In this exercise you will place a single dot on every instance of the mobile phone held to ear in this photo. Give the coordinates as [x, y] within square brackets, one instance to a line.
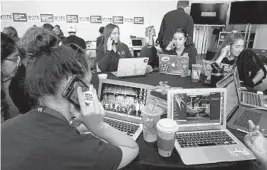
[70, 92]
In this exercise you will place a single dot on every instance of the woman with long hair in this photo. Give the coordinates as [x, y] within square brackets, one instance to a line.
[181, 45]
[109, 52]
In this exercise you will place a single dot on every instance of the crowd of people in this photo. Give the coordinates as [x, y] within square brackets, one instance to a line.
[36, 68]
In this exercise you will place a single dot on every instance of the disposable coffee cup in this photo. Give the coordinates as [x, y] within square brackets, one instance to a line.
[166, 129]
[102, 76]
[150, 117]
[196, 71]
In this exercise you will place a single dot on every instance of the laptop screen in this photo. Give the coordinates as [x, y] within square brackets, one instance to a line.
[122, 99]
[198, 108]
[232, 97]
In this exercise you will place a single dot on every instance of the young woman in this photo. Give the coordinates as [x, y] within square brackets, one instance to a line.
[44, 136]
[109, 52]
[252, 70]
[230, 49]
[182, 45]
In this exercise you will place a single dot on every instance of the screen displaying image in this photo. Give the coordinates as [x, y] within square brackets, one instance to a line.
[197, 108]
[123, 99]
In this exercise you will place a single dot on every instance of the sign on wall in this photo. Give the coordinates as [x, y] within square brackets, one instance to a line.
[106, 19]
[59, 18]
[138, 20]
[95, 19]
[72, 18]
[128, 20]
[84, 19]
[33, 17]
[6, 17]
[47, 17]
[19, 17]
[117, 19]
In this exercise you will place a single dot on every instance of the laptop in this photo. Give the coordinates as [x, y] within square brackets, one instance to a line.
[238, 114]
[247, 98]
[202, 137]
[137, 43]
[123, 102]
[173, 64]
[131, 67]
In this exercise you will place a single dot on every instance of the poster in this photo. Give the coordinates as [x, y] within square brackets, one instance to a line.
[106, 19]
[128, 20]
[117, 19]
[58, 18]
[95, 19]
[72, 18]
[47, 17]
[84, 19]
[33, 18]
[6, 17]
[19, 17]
[138, 20]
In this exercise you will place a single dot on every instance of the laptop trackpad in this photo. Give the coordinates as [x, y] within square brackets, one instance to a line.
[216, 154]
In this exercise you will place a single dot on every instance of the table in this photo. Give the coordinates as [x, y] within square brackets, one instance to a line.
[148, 158]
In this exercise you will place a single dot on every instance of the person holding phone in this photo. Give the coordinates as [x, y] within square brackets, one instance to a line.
[257, 143]
[182, 45]
[230, 49]
[109, 52]
[43, 138]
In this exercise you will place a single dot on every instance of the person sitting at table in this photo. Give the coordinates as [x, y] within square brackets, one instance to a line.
[43, 137]
[109, 53]
[230, 49]
[182, 45]
[149, 49]
[257, 143]
[252, 70]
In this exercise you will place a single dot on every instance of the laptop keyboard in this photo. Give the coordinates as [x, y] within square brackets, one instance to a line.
[199, 139]
[242, 121]
[251, 98]
[126, 127]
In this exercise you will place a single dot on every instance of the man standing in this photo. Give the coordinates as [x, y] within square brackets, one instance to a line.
[100, 39]
[73, 39]
[172, 20]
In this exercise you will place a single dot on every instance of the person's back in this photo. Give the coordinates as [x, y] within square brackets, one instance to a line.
[172, 20]
[73, 39]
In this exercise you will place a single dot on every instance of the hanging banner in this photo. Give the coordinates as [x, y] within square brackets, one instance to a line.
[117, 19]
[6, 17]
[106, 19]
[128, 20]
[138, 20]
[72, 18]
[84, 19]
[33, 18]
[19, 17]
[95, 19]
[59, 18]
[47, 17]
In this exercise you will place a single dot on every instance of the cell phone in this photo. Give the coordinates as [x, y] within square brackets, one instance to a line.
[70, 92]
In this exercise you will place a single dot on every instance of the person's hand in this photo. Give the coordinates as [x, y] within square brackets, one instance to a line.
[225, 51]
[109, 44]
[171, 45]
[91, 115]
[256, 142]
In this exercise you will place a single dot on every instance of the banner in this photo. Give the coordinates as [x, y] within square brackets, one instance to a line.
[138, 20]
[6, 17]
[47, 17]
[72, 18]
[95, 19]
[33, 18]
[59, 18]
[84, 19]
[106, 19]
[19, 17]
[128, 20]
[117, 19]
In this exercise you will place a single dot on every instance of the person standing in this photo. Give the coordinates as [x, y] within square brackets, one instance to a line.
[100, 39]
[73, 39]
[172, 20]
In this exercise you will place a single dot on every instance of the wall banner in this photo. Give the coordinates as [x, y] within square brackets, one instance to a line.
[95, 19]
[138, 20]
[106, 19]
[84, 19]
[59, 18]
[117, 19]
[33, 18]
[19, 17]
[128, 20]
[47, 17]
[72, 18]
[6, 17]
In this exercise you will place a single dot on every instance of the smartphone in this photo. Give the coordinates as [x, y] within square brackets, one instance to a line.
[70, 92]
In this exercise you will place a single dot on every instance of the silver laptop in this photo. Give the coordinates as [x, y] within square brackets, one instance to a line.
[123, 102]
[238, 114]
[173, 64]
[131, 67]
[248, 98]
[202, 136]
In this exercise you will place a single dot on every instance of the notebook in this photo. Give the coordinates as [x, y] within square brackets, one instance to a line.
[131, 67]
[247, 98]
[202, 136]
[238, 114]
[123, 102]
[173, 64]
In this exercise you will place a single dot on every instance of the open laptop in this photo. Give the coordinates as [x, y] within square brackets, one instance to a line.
[131, 67]
[123, 102]
[202, 136]
[173, 64]
[247, 98]
[238, 114]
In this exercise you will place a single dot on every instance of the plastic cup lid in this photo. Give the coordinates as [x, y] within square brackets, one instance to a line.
[167, 125]
[152, 110]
